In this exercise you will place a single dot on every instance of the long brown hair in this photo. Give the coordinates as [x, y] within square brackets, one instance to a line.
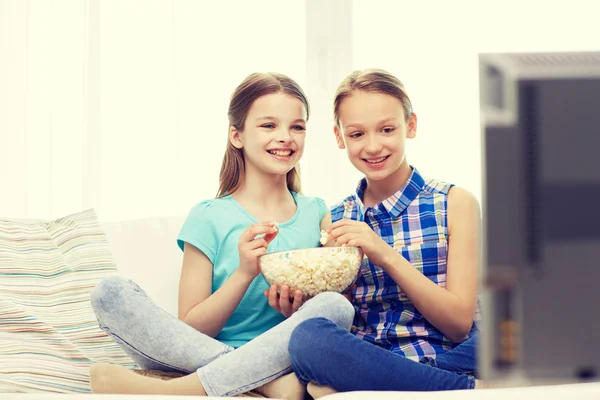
[375, 81]
[254, 86]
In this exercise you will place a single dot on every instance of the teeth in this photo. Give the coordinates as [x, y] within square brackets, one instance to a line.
[281, 152]
[376, 160]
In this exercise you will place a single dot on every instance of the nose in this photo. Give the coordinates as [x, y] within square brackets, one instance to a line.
[283, 136]
[373, 146]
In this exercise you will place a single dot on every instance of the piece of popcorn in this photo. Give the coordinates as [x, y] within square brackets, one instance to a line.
[324, 237]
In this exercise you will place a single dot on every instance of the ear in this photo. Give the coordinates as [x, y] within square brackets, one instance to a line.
[234, 137]
[412, 126]
[338, 137]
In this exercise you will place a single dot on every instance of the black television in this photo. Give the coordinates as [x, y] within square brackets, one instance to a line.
[540, 127]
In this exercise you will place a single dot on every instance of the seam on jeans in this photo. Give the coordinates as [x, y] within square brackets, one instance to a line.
[303, 379]
[208, 388]
[107, 330]
[256, 384]
[227, 349]
[471, 382]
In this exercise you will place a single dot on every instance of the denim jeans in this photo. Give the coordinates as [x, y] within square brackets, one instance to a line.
[324, 353]
[155, 339]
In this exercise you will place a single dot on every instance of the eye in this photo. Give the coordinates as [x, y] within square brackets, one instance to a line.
[355, 135]
[388, 130]
[299, 128]
[268, 126]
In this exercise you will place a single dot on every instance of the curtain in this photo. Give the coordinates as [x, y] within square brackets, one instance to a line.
[122, 105]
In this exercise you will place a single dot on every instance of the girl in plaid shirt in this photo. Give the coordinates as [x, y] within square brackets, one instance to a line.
[416, 300]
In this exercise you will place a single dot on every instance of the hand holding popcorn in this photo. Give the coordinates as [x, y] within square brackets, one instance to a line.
[250, 247]
[348, 232]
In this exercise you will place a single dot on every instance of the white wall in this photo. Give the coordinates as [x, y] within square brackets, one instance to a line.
[433, 47]
[121, 106]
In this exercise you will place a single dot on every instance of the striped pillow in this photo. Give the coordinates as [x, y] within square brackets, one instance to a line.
[49, 335]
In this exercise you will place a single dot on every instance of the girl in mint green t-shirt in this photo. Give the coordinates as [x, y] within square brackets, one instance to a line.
[230, 338]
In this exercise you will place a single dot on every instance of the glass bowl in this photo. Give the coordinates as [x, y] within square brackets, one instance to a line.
[314, 270]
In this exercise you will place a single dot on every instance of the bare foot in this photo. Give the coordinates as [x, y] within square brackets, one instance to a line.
[286, 387]
[317, 391]
[479, 384]
[116, 379]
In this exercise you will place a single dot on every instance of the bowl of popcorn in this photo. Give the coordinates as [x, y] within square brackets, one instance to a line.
[314, 270]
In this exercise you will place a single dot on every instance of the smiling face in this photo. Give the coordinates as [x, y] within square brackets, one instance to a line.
[273, 134]
[373, 129]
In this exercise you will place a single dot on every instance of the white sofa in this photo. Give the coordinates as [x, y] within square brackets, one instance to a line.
[146, 251]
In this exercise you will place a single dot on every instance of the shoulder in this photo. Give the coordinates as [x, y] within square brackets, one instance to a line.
[209, 209]
[205, 226]
[338, 209]
[462, 206]
[462, 199]
[312, 203]
[436, 186]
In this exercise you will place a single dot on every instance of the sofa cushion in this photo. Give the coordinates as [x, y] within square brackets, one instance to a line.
[49, 335]
[146, 251]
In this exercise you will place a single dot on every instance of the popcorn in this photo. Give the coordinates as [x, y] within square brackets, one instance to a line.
[323, 269]
[324, 237]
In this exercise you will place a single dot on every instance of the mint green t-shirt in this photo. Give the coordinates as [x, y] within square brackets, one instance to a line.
[214, 227]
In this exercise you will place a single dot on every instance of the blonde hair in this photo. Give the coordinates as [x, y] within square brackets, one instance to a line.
[254, 86]
[375, 81]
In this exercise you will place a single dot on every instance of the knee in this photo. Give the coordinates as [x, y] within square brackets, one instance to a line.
[335, 308]
[109, 294]
[306, 338]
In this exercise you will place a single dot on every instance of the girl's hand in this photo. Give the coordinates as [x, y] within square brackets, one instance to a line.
[348, 293]
[353, 233]
[250, 247]
[283, 301]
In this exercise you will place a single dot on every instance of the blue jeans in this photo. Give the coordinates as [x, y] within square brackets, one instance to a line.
[324, 353]
[157, 340]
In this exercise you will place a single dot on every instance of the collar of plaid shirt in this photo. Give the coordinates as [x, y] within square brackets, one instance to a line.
[396, 203]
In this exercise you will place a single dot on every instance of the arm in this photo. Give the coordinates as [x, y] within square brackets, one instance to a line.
[197, 307]
[209, 313]
[450, 309]
[325, 224]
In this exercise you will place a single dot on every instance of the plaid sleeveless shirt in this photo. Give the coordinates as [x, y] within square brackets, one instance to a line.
[414, 222]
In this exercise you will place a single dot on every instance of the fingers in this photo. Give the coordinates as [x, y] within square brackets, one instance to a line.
[343, 240]
[297, 301]
[281, 299]
[341, 223]
[290, 303]
[348, 293]
[249, 241]
[273, 297]
[256, 244]
[270, 236]
[342, 230]
[285, 305]
[259, 228]
[261, 251]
